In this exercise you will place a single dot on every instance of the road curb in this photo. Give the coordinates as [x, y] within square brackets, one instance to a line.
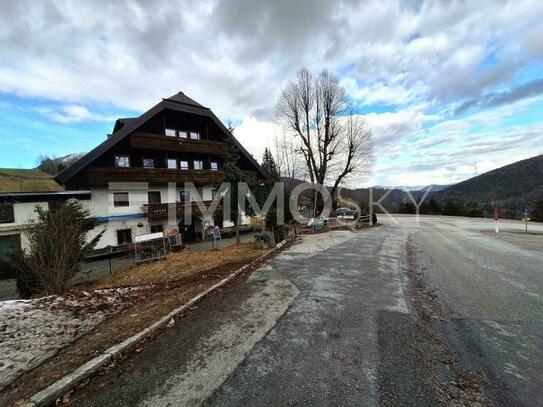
[68, 382]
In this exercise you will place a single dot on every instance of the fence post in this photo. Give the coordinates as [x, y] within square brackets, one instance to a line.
[109, 251]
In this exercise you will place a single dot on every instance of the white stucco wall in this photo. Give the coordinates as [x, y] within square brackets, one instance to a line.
[101, 205]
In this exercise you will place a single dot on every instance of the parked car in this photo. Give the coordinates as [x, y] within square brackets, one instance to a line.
[344, 211]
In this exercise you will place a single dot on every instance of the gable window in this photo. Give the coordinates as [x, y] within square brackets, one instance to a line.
[214, 166]
[184, 165]
[148, 163]
[124, 236]
[170, 132]
[183, 134]
[194, 135]
[171, 163]
[184, 195]
[153, 197]
[120, 199]
[122, 161]
[198, 164]
[6, 213]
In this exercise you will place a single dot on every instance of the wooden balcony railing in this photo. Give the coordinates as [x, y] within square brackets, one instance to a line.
[160, 211]
[102, 176]
[150, 141]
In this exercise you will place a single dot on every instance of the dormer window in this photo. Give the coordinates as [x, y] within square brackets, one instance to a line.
[198, 164]
[122, 161]
[194, 135]
[183, 165]
[183, 134]
[171, 163]
[170, 132]
[214, 166]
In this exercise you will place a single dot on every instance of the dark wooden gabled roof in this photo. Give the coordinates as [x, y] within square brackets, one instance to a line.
[120, 123]
[179, 102]
[180, 97]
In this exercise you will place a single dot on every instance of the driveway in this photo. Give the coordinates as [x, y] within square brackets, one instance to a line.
[424, 313]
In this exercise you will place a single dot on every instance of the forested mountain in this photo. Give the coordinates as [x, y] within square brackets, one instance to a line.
[510, 188]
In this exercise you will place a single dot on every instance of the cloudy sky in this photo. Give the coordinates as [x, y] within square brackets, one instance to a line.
[449, 88]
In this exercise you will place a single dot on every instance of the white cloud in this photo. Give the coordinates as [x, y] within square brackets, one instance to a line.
[390, 127]
[255, 135]
[235, 56]
[73, 114]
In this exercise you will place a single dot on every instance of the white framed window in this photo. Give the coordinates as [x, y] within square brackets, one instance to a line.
[171, 163]
[198, 164]
[183, 134]
[184, 165]
[214, 166]
[194, 135]
[7, 215]
[148, 163]
[120, 199]
[122, 161]
[170, 132]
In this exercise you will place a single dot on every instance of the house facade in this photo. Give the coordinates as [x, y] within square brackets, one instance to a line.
[21, 190]
[137, 177]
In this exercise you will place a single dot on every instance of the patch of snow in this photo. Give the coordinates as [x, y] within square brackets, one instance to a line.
[31, 331]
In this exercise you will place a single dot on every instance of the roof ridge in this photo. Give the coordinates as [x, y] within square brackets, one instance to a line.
[180, 97]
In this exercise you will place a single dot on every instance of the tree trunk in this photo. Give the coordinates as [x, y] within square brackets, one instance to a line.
[236, 227]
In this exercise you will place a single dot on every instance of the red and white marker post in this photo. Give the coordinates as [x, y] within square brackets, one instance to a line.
[496, 221]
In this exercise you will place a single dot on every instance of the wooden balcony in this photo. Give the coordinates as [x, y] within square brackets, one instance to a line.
[160, 211]
[99, 176]
[150, 141]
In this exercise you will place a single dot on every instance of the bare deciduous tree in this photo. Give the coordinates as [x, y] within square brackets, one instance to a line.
[335, 143]
[287, 157]
[57, 243]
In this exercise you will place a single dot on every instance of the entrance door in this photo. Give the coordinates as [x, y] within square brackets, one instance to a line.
[188, 232]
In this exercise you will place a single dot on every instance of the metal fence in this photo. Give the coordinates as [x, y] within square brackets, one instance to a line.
[91, 269]
[94, 269]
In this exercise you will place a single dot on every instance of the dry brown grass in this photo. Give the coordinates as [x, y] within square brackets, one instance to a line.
[178, 265]
[175, 280]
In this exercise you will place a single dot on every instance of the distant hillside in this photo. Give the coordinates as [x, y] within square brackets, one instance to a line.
[26, 180]
[435, 187]
[510, 188]
[391, 202]
[54, 165]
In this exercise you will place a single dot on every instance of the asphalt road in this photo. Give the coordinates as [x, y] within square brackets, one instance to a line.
[439, 311]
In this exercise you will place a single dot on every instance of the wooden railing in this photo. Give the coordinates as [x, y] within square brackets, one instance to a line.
[150, 141]
[102, 176]
[160, 211]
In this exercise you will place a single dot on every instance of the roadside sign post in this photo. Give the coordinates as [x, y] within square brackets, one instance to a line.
[371, 206]
[215, 235]
[526, 218]
[496, 221]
